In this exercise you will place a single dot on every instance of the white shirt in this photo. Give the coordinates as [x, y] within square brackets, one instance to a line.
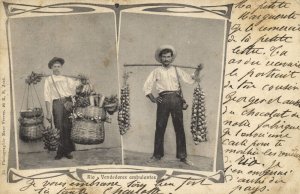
[166, 79]
[66, 87]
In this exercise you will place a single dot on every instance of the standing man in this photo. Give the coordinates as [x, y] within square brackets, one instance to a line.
[58, 92]
[166, 78]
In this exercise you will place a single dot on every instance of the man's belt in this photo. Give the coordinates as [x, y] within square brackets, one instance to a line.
[64, 99]
[168, 92]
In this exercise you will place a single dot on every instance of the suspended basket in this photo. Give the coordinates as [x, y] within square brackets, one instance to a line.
[87, 132]
[30, 113]
[31, 133]
[31, 119]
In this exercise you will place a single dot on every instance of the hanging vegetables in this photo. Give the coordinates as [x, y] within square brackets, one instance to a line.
[81, 101]
[198, 124]
[123, 114]
[85, 89]
[124, 109]
[111, 104]
[34, 78]
[51, 138]
[31, 119]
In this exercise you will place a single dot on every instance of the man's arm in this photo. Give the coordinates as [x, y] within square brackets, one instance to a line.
[49, 113]
[190, 79]
[47, 97]
[153, 99]
[197, 72]
[148, 88]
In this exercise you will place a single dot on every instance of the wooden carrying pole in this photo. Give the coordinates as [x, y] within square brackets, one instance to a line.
[71, 76]
[151, 65]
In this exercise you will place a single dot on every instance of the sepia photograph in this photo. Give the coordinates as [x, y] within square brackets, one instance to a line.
[65, 90]
[173, 69]
[149, 97]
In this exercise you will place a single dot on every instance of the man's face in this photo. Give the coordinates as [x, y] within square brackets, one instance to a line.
[56, 68]
[166, 59]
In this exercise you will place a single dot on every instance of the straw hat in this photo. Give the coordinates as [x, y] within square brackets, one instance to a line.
[163, 47]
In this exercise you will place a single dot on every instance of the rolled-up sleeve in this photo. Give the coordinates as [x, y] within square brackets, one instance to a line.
[47, 91]
[73, 83]
[187, 78]
[149, 83]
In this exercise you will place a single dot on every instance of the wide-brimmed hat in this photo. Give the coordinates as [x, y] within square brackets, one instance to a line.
[54, 60]
[163, 47]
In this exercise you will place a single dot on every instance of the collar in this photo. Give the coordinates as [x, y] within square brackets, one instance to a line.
[167, 68]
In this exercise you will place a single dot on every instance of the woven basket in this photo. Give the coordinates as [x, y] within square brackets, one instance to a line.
[31, 133]
[31, 121]
[111, 108]
[36, 112]
[91, 112]
[87, 132]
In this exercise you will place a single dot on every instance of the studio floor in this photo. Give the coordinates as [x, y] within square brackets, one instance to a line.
[109, 156]
[45, 159]
[168, 161]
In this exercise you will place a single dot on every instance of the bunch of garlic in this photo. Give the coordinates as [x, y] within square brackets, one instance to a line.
[124, 111]
[198, 123]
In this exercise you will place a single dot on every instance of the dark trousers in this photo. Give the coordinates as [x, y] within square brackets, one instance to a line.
[63, 123]
[171, 104]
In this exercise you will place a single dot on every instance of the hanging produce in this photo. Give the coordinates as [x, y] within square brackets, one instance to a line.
[31, 119]
[124, 109]
[51, 138]
[89, 114]
[111, 104]
[198, 123]
[88, 117]
[34, 78]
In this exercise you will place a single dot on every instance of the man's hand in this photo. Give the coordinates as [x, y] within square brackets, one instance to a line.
[200, 67]
[153, 99]
[49, 117]
[84, 79]
[48, 125]
[197, 72]
[159, 99]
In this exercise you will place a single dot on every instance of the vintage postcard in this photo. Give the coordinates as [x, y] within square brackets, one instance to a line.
[149, 96]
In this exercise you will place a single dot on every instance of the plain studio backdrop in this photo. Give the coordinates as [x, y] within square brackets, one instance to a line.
[196, 41]
[88, 45]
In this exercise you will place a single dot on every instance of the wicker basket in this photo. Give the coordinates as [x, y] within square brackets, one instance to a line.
[31, 133]
[87, 132]
[36, 112]
[111, 108]
[31, 121]
[91, 112]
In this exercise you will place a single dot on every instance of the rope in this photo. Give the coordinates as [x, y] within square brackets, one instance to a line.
[23, 99]
[32, 98]
[27, 96]
[37, 96]
[179, 84]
